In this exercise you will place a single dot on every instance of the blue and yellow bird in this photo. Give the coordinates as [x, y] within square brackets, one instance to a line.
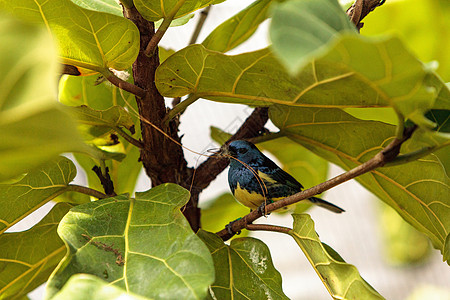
[251, 167]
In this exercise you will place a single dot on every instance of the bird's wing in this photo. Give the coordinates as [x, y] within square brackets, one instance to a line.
[277, 174]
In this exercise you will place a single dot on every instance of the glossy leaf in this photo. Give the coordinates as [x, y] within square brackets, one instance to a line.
[342, 77]
[89, 287]
[27, 258]
[28, 110]
[38, 187]
[302, 29]
[341, 279]
[238, 28]
[155, 10]
[244, 270]
[417, 190]
[218, 212]
[87, 39]
[143, 245]
[84, 90]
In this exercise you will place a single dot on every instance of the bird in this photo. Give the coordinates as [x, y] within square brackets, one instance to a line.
[255, 180]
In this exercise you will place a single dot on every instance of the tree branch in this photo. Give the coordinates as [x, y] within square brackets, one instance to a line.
[380, 159]
[153, 44]
[86, 191]
[124, 85]
[267, 227]
[360, 9]
[105, 180]
[129, 138]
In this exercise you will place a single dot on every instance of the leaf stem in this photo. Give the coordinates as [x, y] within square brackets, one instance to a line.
[203, 15]
[153, 44]
[86, 191]
[415, 155]
[129, 138]
[180, 107]
[124, 85]
[400, 126]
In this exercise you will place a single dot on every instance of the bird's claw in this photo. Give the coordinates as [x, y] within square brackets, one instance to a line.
[230, 230]
[262, 208]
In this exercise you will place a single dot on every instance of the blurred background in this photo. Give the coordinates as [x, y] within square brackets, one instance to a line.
[389, 254]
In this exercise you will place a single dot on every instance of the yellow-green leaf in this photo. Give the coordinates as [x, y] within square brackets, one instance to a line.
[27, 258]
[85, 38]
[341, 279]
[33, 128]
[156, 10]
[89, 287]
[143, 245]
[21, 198]
[244, 269]
[419, 191]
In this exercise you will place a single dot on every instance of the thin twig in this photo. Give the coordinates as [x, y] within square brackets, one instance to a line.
[360, 9]
[180, 107]
[203, 15]
[380, 159]
[86, 191]
[124, 85]
[266, 227]
[129, 138]
[154, 41]
[105, 180]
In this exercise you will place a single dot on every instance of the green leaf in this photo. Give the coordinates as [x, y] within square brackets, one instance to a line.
[342, 280]
[220, 211]
[143, 245]
[156, 10]
[415, 190]
[238, 28]
[243, 270]
[87, 39]
[391, 78]
[302, 29]
[38, 187]
[27, 258]
[87, 287]
[84, 90]
[113, 117]
[426, 36]
[28, 110]
[107, 6]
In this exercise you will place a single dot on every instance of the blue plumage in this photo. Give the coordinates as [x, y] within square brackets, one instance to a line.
[254, 178]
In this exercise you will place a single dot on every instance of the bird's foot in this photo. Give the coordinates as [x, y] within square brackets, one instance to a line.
[230, 230]
[262, 208]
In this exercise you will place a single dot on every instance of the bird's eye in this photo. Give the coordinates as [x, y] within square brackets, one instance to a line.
[242, 150]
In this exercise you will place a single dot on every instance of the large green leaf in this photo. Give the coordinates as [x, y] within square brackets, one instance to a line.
[21, 198]
[342, 77]
[83, 90]
[143, 245]
[107, 6]
[418, 191]
[87, 39]
[89, 287]
[423, 25]
[341, 279]
[238, 28]
[114, 117]
[156, 10]
[28, 111]
[27, 258]
[244, 270]
[301, 30]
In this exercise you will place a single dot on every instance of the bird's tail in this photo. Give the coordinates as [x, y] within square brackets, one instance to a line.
[326, 204]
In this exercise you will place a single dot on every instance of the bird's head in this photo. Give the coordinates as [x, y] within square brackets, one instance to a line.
[244, 151]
